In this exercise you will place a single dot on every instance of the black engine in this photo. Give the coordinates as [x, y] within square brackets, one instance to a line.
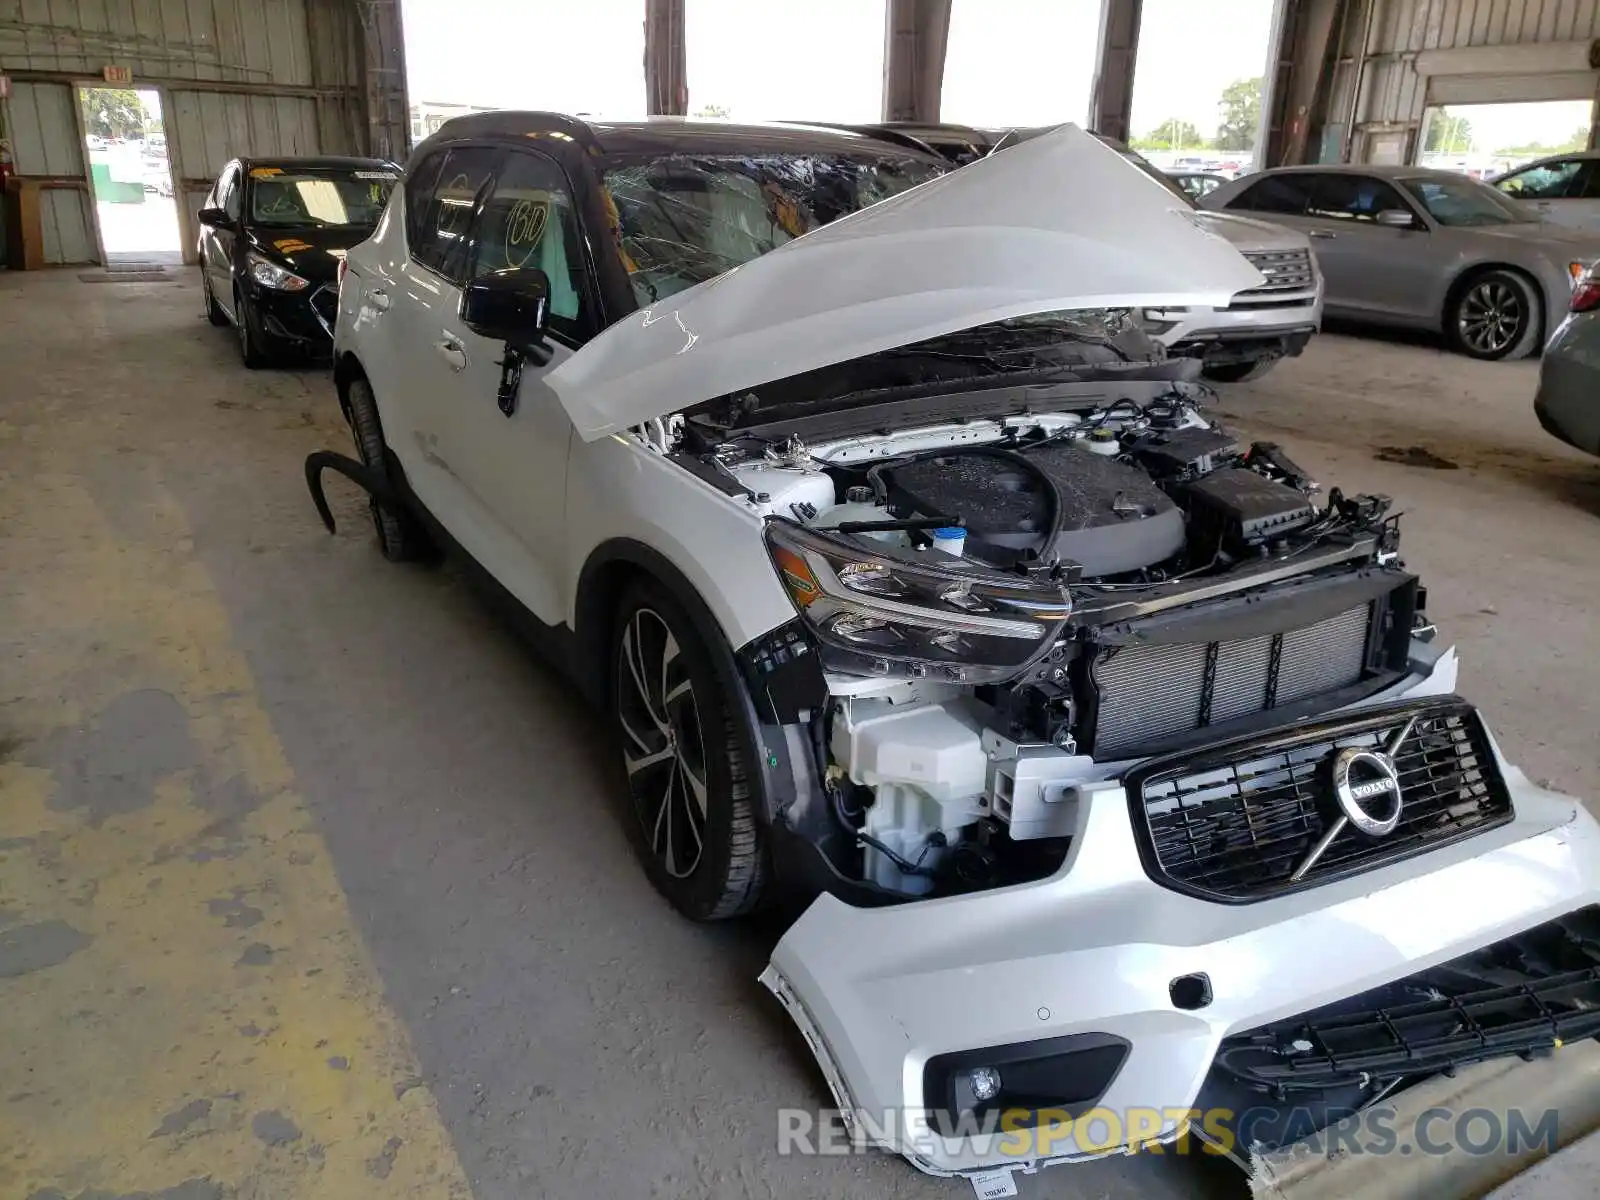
[1121, 502]
[1113, 518]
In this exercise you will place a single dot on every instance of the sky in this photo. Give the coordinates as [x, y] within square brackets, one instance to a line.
[1501, 126]
[1009, 61]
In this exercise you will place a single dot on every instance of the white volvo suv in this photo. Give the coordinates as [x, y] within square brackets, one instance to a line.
[1117, 771]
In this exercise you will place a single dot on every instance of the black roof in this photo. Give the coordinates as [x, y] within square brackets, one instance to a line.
[305, 161]
[662, 135]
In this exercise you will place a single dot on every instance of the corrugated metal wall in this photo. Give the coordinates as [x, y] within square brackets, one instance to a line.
[44, 135]
[241, 41]
[235, 77]
[1395, 93]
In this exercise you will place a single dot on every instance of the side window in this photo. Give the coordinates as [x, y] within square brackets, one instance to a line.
[442, 227]
[1344, 197]
[1548, 181]
[229, 193]
[1284, 194]
[528, 220]
[419, 193]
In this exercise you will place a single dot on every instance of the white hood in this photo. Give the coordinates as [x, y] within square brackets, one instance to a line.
[1059, 222]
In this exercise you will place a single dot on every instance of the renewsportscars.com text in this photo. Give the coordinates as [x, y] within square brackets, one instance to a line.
[1026, 1134]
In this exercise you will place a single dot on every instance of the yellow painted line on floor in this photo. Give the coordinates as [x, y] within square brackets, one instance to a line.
[185, 1005]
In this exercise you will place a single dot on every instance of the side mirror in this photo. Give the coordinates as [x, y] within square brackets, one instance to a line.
[511, 305]
[1396, 218]
[214, 218]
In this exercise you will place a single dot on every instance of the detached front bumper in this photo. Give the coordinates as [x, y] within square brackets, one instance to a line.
[1100, 951]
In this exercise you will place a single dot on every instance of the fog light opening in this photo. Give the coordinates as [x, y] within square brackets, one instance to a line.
[984, 1082]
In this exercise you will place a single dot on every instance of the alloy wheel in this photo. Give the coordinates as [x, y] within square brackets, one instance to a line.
[663, 745]
[1491, 316]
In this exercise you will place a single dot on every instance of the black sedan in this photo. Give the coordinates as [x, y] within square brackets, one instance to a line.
[272, 234]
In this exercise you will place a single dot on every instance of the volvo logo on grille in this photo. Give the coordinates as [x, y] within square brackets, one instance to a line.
[1366, 787]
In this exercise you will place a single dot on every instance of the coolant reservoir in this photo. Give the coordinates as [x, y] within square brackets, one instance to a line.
[859, 506]
[791, 492]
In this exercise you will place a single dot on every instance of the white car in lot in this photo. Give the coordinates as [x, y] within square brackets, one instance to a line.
[1563, 189]
[1115, 769]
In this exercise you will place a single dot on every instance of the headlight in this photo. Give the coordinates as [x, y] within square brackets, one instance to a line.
[269, 274]
[886, 612]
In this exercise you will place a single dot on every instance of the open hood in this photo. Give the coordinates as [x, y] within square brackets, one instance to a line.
[1059, 222]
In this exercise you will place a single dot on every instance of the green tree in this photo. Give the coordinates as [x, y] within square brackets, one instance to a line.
[1578, 139]
[113, 112]
[1448, 134]
[1171, 134]
[1239, 114]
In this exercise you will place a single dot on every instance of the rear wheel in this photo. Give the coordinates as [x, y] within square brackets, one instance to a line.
[695, 825]
[1239, 372]
[400, 536]
[1494, 315]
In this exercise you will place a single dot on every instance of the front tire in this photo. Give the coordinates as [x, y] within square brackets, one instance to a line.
[401, 537]
[251, 350]
[1240, 372]
[1494, 315]
[689, 780]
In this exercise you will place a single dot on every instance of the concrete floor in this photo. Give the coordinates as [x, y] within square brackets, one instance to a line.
[312, 882]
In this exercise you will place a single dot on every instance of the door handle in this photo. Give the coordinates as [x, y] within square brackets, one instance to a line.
[453, 352]
[379, 298]
[1323, 234]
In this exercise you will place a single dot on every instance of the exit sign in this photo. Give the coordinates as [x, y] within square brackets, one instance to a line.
[122, 75]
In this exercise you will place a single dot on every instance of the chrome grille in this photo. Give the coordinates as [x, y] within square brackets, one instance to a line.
[1148, 694]
[1285, 271]
[1234, 822]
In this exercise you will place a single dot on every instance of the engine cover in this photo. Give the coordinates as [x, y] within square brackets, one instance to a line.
[1115, 518]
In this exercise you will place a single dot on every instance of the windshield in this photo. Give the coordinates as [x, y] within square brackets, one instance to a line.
[1462, 201]
[285, 197]
[684, 219]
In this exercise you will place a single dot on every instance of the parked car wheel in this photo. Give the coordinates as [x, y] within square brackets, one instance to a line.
[1238, 372]
[214, 312]
[251, 349]
[401, 537]
[1494, 315]
[687, 773]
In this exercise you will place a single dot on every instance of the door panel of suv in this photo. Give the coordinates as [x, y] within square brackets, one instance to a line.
[420, 300]
[515, 466]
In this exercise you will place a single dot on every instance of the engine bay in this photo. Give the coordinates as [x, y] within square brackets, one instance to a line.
[1190, 569]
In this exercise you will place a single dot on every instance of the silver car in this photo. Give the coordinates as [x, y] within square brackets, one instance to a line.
[1426, 249]
[1568, 401]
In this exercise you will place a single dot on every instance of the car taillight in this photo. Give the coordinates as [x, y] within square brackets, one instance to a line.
[338, 273]
[1586, 296]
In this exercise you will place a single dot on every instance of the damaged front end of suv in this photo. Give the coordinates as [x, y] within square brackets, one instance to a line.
[1115, 760]
[1119, 757]
[1128, 770]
